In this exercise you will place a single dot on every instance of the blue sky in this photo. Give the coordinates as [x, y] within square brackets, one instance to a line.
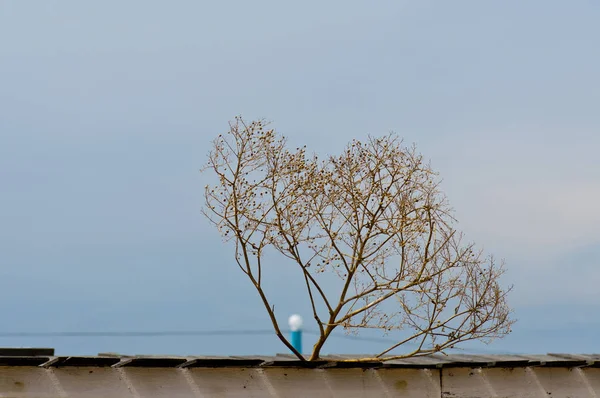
[107, 110]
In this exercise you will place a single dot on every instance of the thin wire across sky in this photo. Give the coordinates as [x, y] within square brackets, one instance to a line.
[236, 332]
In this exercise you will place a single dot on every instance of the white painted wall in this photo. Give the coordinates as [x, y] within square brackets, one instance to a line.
[95, 382]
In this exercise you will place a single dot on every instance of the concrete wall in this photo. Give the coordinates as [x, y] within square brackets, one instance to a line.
[126, 382]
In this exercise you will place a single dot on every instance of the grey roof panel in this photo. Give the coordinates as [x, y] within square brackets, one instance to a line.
[22, 361]
[267, 358]
[361, 364]
[82, 361]
[26, 352]
[151, 362]
[329, 361]
[278, 362]
[430, 361]
[208, 362]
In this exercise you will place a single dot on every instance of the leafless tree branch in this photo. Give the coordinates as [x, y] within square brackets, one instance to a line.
[376, 218]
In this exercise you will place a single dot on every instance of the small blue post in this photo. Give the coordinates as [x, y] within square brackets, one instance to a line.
[297, 340]
[295, 322]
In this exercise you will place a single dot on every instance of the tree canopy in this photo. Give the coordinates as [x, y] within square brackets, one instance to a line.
[373, 215]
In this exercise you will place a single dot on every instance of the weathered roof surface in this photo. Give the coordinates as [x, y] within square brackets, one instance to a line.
[285, 360]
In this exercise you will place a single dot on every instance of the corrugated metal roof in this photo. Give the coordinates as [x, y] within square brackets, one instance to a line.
[285, 360]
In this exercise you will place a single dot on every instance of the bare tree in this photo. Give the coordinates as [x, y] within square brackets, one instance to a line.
[375, 217]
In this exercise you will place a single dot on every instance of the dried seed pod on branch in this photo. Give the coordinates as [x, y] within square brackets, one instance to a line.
[376, 218]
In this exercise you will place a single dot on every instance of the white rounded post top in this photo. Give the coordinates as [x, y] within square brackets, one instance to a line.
[295, 322]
